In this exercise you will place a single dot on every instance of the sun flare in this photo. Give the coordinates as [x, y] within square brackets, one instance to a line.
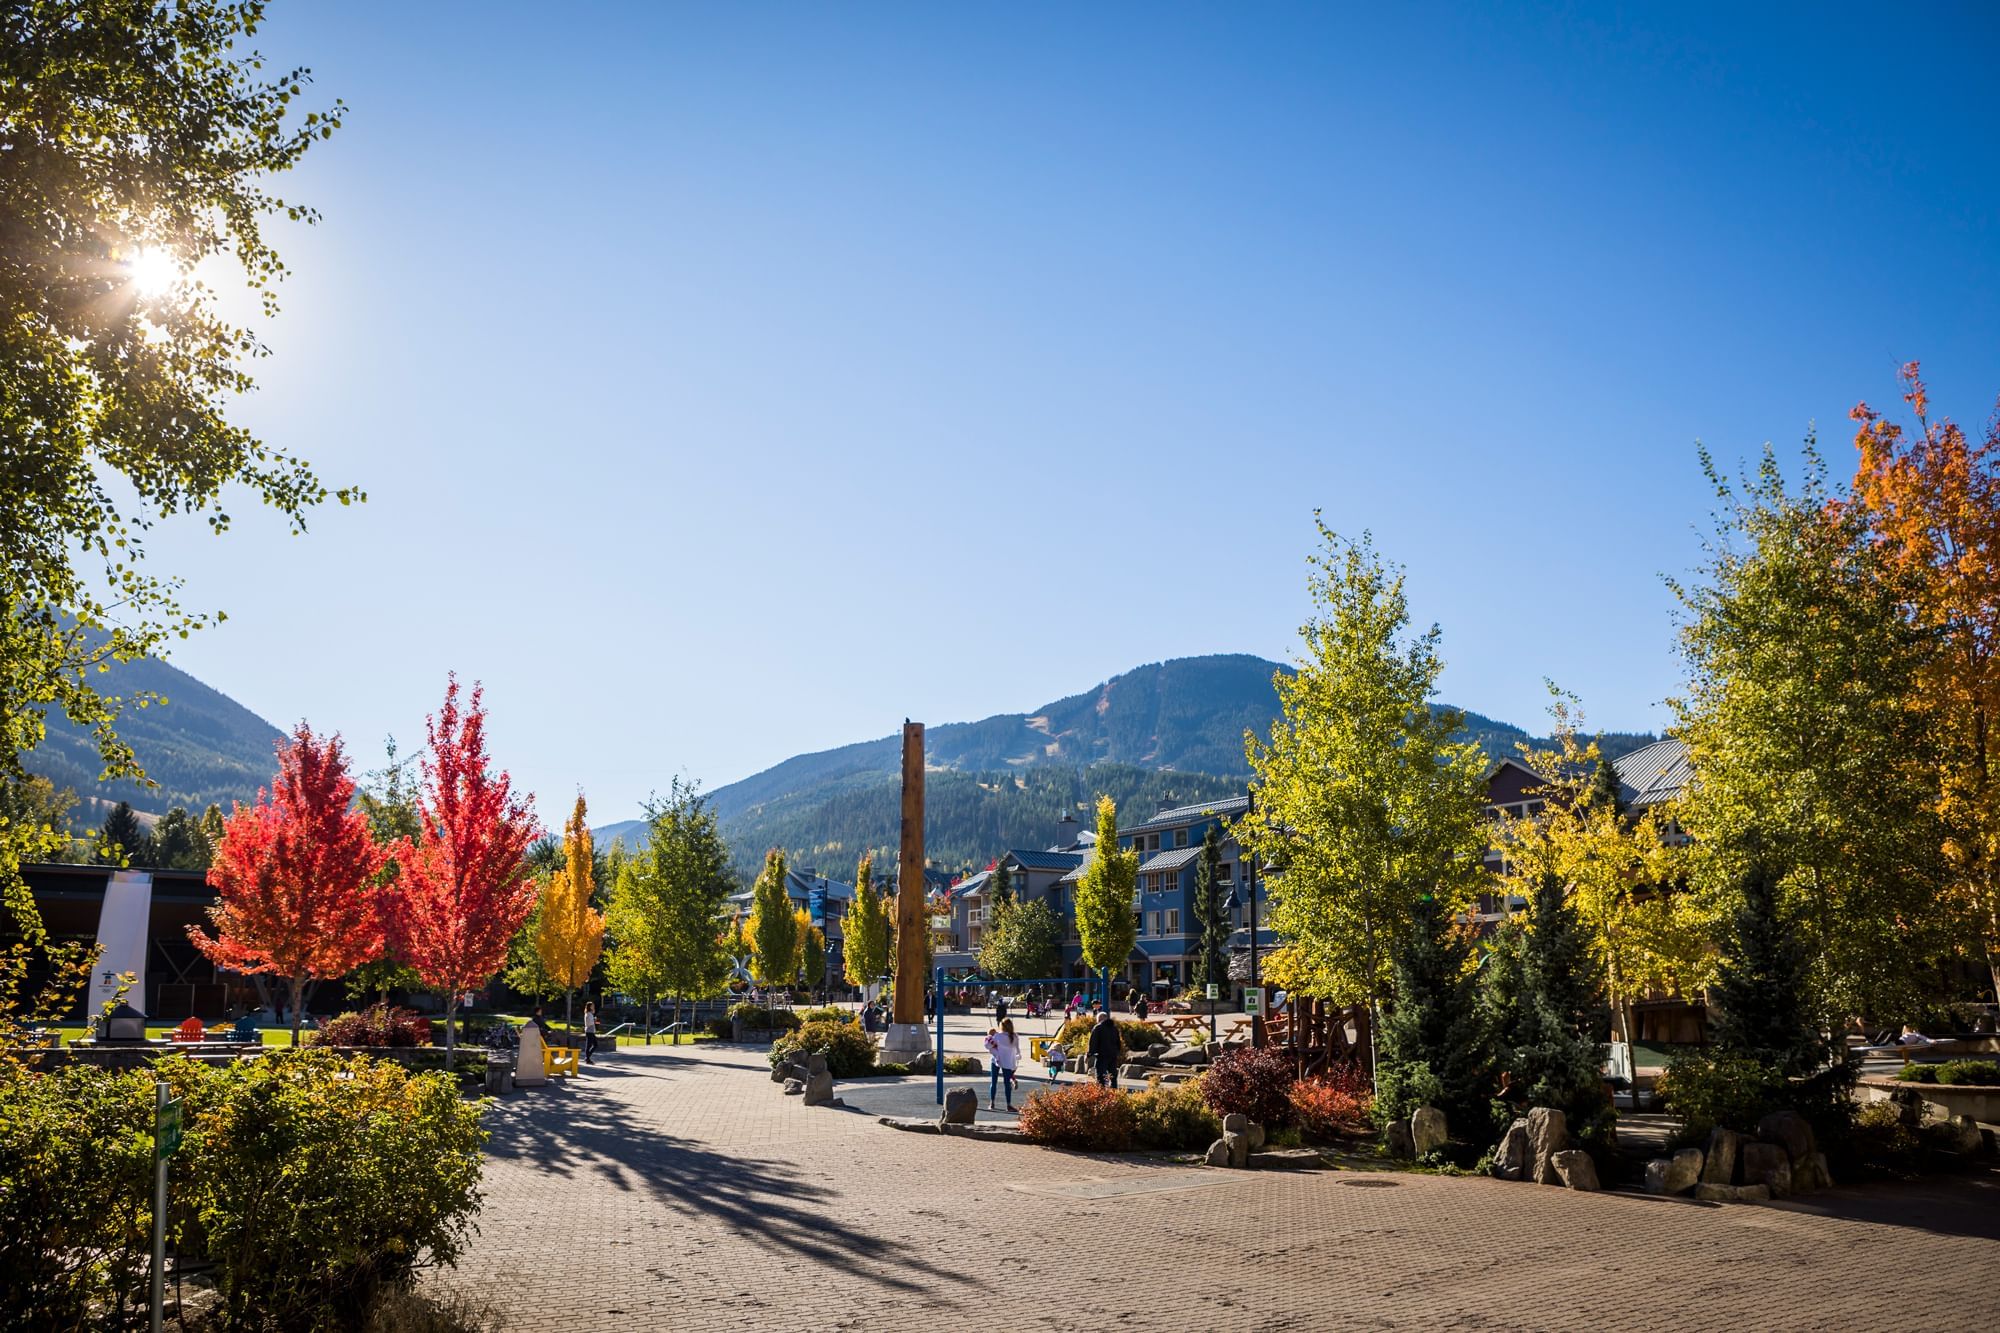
[153, 272]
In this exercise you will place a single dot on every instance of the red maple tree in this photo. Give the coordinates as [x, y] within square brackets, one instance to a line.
[462, 888]
[293, 875]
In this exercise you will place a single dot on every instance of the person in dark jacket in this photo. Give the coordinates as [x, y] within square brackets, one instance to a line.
[1106, 1050]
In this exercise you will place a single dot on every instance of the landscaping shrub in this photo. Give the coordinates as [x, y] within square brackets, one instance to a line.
[1332, 1104]
[305, 1184]
[1132, 1034]
[1173, 1115]
[889, 1067]
[1256, 1081]
[1977, 1073]
[1919, 1073]
[1083, 1116]
[826, 1014]
[849, 1051]
[1703, 1089]
[721, 1028]
[960, 1065]
[762, 1019]
[377, 1025]
[309, 1181]
[75, 1190]
[1881, 1139]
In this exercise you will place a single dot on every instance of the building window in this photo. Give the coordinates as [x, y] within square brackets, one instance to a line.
[1180, 837]
[1228, 872]
[1152, 842]
[1153, 921]
[1173, 921]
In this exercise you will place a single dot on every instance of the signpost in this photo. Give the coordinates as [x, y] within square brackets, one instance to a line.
[1214, 994]
[1253, 1001]
[166, 1142]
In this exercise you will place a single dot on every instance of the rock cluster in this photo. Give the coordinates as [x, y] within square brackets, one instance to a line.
[809, 1080]
[1780, 1160]
[1537, 1147]
[1241, 1136]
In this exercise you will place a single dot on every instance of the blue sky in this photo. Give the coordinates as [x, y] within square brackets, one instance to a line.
[735, 381]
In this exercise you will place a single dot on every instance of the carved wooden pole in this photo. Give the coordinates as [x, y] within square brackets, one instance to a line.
[912, 914]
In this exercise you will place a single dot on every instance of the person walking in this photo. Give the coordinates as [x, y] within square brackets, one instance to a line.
[589, 1033]
[1004, 1050]
[1105, 1050]
[1140, 1008]
[999, 1008]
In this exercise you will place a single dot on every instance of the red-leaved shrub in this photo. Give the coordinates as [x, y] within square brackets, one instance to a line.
[377, 1025]
[1083, 1116]
[1253, 1080]
[1334, 1103]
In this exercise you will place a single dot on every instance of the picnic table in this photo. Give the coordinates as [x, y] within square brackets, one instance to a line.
[1182, 1024]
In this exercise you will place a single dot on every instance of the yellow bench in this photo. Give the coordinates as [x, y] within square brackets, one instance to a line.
[559, 1060]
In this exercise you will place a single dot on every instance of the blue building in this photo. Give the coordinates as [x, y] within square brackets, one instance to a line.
[1169, 844]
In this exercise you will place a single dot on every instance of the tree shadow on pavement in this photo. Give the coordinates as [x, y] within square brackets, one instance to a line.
[567, 1130]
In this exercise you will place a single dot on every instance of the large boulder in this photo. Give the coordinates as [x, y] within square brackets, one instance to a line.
[819, 1083]
[1723, 1147]
[794, 1087]
[1181, 1053]
[1235, 1123]
[1811, 1174]
[1218, 1152]
[816, 1063]
[780, 1072]
[1136, 1073]
[1790, 1131]
[1961, 1134]
[1769, 1165]
[1239, 1148]
[1548, 1134]
[1397, 1138]
[1575, 1169]
[1511, 1158]
[1257, 1136]
[961, 1106]
[1711, 1193]
[925, 1063]
[1674, 1175]
[1427, 1130]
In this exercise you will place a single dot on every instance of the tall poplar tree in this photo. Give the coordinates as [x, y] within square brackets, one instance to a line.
[670, 904]
[1107, 918]
[1810, 755]
[865, 932]
[1361, 793]
[774, 933]
[570, 935]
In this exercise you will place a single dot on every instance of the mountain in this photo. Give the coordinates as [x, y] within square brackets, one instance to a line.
[200, 746]
[1167, 730]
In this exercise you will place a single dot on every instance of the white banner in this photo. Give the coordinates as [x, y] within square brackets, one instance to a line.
[121, 933]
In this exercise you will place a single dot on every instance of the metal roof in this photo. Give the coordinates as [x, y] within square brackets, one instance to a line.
[1172, 860]
[1031, 860]
[1187, 814]
[1655, 773]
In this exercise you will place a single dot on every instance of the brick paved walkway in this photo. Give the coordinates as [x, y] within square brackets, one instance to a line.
[680, 1189]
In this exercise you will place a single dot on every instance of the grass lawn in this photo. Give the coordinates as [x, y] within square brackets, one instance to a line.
[70, 1032]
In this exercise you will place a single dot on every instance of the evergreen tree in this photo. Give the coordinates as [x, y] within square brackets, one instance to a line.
[1210, 917]
[1605, 787]
[1431, 1045]
[1760, 1000]
[1560, 1019]
[1000, 887]
[124, 841]
[178, 843]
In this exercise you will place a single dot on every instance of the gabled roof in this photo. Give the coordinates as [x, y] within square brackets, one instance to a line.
[972, 886]
[1031, 860]
[1655, 773]
[1187, 814]
[1508, 761]
[1077, 874]
[1173, 860]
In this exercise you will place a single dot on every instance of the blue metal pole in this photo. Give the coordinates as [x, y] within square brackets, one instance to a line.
[937, 1003]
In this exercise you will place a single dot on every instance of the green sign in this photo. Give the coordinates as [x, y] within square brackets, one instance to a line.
[1214, 991]
[1253, 1000]
[167, 1131]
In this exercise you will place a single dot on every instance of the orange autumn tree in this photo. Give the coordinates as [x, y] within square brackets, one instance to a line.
[462, 887]
[571, 934]
[1932, 499]
[293, 873]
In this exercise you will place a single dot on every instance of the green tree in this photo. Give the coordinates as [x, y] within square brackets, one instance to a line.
[1431, 1047]
[812, 950]
[1027, 944]
[123, 841]
[388, 801]
[670, 904]
[178, 843]
[139, 142]
[1761, 1000]
[865, 932]
[1809, 753]
[1361, 794]
[774, 933]
[35, 814]
[1000, 888]
[1106, 921]
[1211, 915]
[1553, 1048]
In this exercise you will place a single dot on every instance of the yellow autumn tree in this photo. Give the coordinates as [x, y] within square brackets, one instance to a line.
[1617, 868]
[571, 935]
